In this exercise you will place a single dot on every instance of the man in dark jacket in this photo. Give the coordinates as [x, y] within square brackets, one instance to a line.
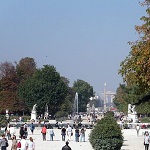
[66, 147]
[3, 143]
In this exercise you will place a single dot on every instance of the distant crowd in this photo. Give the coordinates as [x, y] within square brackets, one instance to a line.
[67, 133]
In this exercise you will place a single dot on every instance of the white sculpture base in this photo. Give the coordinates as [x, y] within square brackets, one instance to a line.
[33, 115]
[134, 117]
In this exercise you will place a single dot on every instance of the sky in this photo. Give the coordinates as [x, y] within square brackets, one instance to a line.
[83, 39]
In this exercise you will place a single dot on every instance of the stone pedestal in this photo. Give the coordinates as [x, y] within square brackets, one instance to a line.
[33, 115]
[134, 117]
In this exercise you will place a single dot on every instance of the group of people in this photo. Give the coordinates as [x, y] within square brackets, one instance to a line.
[146, 137]
[22, 143]
[79, 134]
[24, 130]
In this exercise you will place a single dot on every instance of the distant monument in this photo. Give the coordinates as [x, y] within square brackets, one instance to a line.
[88, 108]
[46, 112]
[132, 114]
[33, 113]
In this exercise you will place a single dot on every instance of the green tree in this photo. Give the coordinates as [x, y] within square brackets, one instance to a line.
[85, 91]
[106, 134]
[135, 69]
[120, 100]
[25, 68]
[45, 87]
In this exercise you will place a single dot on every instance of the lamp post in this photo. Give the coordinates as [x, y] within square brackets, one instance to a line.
[105, 97]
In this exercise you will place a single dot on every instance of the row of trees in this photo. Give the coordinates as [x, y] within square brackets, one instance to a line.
[23, 84]
[135, 70]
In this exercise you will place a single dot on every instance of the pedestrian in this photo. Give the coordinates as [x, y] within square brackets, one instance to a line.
[44, 130]
[63, 133]
[66, 147]
[31, 144]
[69, 132]
[14, 143]
[24, 144]
[61, 124]
[137, 129]
[146, 140]
[22, 132]
[32, 127]
[82, 134]
[19, 145]
[3, 143]
[77, 134]
[25, 130]
[51, 132]
[8, 133]
[12, 130]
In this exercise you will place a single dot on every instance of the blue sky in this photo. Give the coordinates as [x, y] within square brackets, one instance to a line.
[83, 39]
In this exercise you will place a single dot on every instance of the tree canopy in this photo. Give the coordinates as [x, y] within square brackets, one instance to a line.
[45, 87]
[135, 69]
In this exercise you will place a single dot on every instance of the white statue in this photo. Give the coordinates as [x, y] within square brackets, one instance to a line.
[33, 113]
[131, 109]
[34, 107]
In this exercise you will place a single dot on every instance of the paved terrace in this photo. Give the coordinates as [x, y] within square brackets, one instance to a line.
[131, 141]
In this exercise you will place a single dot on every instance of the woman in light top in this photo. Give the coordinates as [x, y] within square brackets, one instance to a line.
[146, 140]
[31, 144]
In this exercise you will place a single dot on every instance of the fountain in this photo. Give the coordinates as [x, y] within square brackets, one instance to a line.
[75, 108]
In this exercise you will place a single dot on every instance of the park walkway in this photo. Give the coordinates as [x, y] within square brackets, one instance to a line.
[131, 141]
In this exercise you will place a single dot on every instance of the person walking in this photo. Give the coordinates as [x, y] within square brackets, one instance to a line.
[69, 132]
[44, 130]
[3, 143]
[32, 127]
[14, 143]
[24, 144]
[146, 140]
[66, 147]
[51, 132]
[8, 133]
[82, 134]
[137, 129]
[77, 134]
[31, 144]
[25, 130]
[12, 130]
[63, 133]
[19, 145]
[22, 132]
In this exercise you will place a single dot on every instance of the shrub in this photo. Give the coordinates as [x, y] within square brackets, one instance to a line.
[106, 135]
[60, 115]
[109, 114]
[3, 120]
[145, 120]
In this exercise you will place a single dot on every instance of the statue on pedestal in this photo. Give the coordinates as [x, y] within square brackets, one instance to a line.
[33, 113]
[46, 112]
[132, 114]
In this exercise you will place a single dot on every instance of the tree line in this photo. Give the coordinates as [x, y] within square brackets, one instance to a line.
[22, 85]
[135, 70]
